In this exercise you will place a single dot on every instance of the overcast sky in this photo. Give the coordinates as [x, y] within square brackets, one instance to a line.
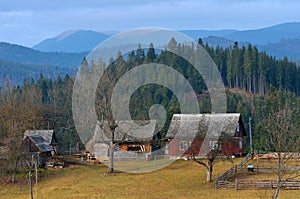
[28, 22]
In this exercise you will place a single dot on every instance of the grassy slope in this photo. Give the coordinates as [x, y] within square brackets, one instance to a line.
[182, 179]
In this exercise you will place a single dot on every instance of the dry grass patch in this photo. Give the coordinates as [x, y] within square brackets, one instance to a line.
[182, 179]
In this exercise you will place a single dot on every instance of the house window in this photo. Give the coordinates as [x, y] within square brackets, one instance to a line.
[238, 128]
[183, 146]
[214, 145]
[241, 144]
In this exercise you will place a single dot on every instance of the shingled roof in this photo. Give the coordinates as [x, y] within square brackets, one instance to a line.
[127, 131]
[40, 143]
[47, 135]
[198, 125]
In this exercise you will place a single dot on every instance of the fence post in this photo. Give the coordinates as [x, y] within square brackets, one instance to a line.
[236, 184]
[271, 184]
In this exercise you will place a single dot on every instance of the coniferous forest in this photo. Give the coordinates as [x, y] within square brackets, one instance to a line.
[253, 80]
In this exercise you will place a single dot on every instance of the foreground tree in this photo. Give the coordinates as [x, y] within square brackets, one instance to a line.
[280, 130]
[217, 152]
[103, 103]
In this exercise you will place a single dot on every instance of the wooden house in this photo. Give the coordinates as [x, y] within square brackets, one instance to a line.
[42, 142]
[132, 139]
[222, 131]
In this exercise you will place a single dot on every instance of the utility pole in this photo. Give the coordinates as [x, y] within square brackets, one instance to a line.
[250, 134]
[30, 184]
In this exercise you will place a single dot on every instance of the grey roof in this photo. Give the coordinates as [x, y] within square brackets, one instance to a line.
[47, 135]
[198, 125]
[40, 143]
[127, 130]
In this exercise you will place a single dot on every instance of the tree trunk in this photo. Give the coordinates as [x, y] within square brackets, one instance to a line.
[276, 192]
[111, 158]
[111, 153]
[278, 167]
[209, 175]
[278, 176]
[209, 171]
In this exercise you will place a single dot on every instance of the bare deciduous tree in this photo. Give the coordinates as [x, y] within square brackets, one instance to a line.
[281, 134]
[103, 103]
[216, 153]
[19, 111]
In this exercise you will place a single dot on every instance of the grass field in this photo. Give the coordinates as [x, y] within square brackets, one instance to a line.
[182, 179]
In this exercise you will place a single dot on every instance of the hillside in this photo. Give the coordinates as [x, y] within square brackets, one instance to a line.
[264, 36]
[195, 34]
[285, 48]
[24, 55]
[215, 41]
[16, 72]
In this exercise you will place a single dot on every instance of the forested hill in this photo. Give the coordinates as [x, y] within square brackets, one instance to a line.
[240, 66]
[255, 71]
[17, 73]
[24, 55]
[18, 63]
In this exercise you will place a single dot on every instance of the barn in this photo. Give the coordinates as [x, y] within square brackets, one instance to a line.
[224, 132]
[131, 142]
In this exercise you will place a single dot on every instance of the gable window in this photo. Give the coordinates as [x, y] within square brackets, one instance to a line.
[214, 145]
[183, 146]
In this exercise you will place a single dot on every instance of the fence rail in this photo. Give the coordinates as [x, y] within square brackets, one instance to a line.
[243, 184]
[245, 161]
[229, 173]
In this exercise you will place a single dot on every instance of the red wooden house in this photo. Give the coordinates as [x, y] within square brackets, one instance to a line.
[223, 133]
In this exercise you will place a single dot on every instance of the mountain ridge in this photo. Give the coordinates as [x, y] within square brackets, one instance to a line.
[268, 39]
[65, 41]
[25, 55]
[271, 34]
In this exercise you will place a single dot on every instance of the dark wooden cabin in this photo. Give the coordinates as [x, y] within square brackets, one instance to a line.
[42, 142]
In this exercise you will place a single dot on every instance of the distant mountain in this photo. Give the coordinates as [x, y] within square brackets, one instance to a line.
[83, 40]
[286, 47]
[75, 41]
[196, 34]
[267, 35]
[18, 63]
[24, 55]
[86, 40]
[221, 42]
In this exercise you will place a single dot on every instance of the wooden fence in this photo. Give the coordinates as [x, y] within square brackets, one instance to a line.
[229, 173]
[243, 184]
[245, 161]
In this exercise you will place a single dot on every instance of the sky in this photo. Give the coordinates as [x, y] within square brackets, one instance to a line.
[27, 22]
